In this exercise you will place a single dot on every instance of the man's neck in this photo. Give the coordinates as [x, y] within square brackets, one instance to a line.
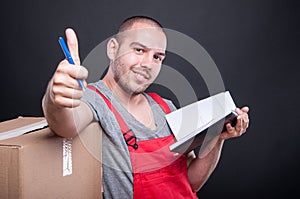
[136, 104]
[126, 99]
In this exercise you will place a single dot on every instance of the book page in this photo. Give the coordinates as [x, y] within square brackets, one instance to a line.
[197, 116]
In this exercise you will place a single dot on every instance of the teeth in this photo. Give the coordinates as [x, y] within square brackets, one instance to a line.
[139, 73]
[140, 77]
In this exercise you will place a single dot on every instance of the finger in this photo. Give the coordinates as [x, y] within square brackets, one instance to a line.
[66, 97]
[245, 121]
[73, 45]
[66, 102]
[238, 111]
[242, 110]
[66, 81]
[245, 125]
[245, 109]
[74, 71]
[239, 125]
[230, 132]
[80, 72]
[61, 79]
[230, 129]
[64, 92]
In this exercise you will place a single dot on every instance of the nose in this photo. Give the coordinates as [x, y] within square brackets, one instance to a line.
[147, 60]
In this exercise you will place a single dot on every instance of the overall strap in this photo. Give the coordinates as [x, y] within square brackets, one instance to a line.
[128, 134]
[164, 106]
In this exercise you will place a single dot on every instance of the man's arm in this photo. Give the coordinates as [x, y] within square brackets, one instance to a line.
[202, 166]
[62, 106]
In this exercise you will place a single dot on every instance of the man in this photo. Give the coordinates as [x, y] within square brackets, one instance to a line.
[136, 159]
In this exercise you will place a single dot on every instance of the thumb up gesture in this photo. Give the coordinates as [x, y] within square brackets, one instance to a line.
[65, 90]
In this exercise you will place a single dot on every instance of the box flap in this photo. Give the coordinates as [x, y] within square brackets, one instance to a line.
[20, 126]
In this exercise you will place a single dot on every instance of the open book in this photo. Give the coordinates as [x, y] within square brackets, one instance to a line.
[20, 126]
[200, 121]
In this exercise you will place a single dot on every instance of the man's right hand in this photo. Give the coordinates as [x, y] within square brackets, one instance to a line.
[65, 90]
[62, 106]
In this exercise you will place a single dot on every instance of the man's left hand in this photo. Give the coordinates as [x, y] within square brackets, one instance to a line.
[241, 124]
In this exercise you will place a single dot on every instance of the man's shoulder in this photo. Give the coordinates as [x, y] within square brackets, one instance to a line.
[161, 100]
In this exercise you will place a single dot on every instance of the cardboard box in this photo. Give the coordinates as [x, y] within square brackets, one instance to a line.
[42, 165]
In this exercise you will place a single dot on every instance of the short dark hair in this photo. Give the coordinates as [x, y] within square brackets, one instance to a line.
[128, 23]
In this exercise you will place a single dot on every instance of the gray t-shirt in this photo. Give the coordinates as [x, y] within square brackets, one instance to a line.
[117, 171]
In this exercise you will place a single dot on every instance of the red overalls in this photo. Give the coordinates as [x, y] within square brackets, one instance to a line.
[157, 172]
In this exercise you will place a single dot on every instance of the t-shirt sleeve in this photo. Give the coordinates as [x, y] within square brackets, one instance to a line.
[89, 97]
[171, 105]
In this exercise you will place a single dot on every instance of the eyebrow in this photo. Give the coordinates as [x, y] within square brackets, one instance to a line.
[145, 47]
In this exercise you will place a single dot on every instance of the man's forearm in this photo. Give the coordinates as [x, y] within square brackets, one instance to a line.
[65, 122]
[59, 119]
[202, 166]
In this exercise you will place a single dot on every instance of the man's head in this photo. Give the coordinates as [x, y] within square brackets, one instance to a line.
[129, 23]
[136, 53]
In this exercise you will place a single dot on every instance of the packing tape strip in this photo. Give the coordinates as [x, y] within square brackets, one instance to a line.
[67, 156]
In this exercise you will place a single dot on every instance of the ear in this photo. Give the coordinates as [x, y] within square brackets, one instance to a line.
[112, 48]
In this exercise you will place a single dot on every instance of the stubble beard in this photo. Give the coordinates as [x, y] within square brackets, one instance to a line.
[123, 79]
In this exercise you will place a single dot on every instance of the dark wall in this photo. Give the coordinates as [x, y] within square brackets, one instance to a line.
[254, 43]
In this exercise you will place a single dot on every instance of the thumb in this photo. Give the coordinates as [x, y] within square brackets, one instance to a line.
[72, 43]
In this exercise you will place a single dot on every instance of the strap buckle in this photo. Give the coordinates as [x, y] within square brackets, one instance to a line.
[130, 138]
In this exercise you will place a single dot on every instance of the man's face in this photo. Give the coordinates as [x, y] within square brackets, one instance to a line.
[139, 58]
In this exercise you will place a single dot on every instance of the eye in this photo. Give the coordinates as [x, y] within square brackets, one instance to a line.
[158, 58]
[139, 50]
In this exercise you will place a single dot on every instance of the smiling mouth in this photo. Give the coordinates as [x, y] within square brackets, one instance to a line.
[141, 75]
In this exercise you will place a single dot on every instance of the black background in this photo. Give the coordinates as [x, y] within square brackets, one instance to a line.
[255, 44]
